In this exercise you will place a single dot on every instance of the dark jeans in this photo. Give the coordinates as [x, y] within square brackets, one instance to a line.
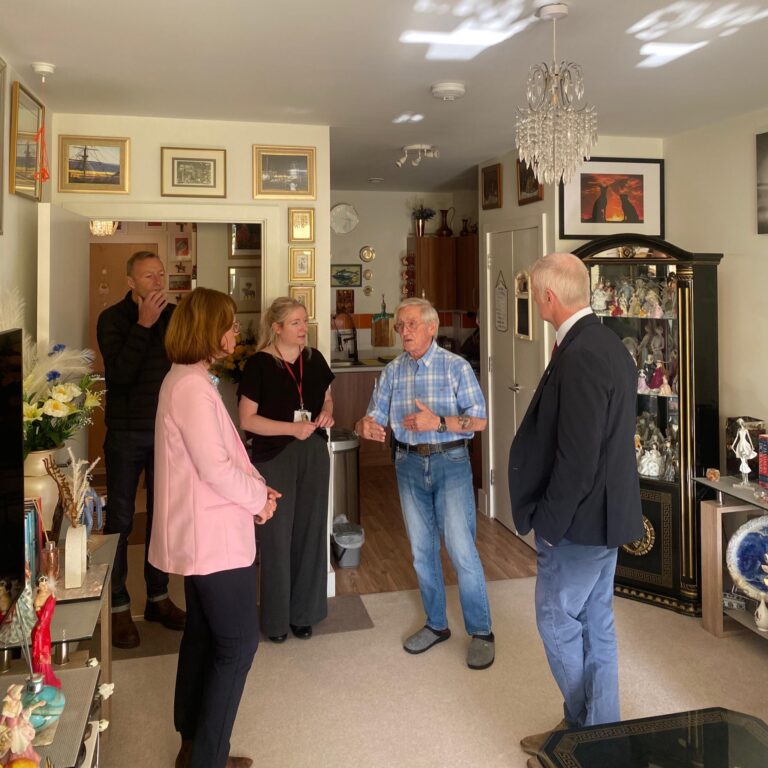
[126, 455]
[219, 642]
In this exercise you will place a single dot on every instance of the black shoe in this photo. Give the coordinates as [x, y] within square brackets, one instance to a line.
[302, 632]
[166, 613]
[279, 638]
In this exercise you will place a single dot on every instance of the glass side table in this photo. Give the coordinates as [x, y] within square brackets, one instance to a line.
[702, 738]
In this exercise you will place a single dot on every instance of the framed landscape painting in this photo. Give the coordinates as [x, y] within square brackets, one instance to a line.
[280, 172]
[27, 119]
[245, 240]
[609, 196]
[94, 164]
[193, 172]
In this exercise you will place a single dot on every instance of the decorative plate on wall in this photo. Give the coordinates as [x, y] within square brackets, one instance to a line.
[747, 557]
[367, 253]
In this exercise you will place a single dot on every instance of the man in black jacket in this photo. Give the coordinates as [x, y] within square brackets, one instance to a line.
[131, 337]
[573, 480]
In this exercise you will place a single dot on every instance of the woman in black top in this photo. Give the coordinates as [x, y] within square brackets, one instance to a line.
[285, 408]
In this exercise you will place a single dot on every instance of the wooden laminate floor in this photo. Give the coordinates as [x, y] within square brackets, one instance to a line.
[385, 563]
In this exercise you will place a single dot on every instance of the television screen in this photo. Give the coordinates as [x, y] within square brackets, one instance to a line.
[12, 538]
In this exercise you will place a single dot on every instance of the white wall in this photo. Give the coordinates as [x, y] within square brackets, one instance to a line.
[711, 207]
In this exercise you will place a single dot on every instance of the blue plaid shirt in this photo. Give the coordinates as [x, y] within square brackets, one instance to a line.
[444, 382]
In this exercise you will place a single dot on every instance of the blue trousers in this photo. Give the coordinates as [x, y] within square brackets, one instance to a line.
[574, 614]
[438, 500]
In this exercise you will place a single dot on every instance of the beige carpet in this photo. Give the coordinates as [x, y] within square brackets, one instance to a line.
[357, 700]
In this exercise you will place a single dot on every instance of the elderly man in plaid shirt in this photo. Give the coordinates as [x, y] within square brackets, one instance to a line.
[433, 402]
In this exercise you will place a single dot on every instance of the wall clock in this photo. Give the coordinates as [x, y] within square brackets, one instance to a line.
[344, 218]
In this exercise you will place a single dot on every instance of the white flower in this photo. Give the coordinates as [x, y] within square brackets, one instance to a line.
[65, 393]
[32, 412]
[56, 409]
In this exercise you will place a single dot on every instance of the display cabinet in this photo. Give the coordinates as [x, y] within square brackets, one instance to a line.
[431, 270]
[662, 302]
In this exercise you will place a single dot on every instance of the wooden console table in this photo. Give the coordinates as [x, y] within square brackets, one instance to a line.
[714, 618]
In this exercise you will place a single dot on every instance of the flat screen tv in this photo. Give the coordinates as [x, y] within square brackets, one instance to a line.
[12, 541]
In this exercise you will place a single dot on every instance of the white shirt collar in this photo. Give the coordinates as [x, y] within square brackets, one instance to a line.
[562, 331]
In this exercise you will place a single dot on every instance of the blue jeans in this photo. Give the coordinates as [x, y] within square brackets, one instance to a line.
[437, 499]
[574, 614]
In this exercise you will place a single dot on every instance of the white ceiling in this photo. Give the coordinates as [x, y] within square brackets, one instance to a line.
[341, 63]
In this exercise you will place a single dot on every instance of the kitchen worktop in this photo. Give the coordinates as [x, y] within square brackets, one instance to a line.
[368, 360]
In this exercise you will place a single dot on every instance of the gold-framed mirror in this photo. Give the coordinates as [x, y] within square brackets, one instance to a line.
[27, 118]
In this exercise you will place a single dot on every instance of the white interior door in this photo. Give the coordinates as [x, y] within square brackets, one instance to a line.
[516, 363]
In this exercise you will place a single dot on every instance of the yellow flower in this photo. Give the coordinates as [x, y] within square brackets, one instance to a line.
[92, 400]
[56, 409]
[32, 412]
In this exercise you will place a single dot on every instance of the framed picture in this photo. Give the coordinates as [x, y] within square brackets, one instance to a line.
[312, 335]
[280, 172]
[347, 275]
[306, 295]
[528, 188]
[523, 305]
[188, 172]
[181, 247]
[345, 301]
[245, 288]
[94, 164]
[761, 142]
[244, 240]
[2, 137]
[154, 226]
[301, 225]
[181, 282]
[611, 195]
[491, 187]
[27, 118]
[301, 265]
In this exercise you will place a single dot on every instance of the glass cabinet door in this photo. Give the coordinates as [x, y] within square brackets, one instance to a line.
[639, 304]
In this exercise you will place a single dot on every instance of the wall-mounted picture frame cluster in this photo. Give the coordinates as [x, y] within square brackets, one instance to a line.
[189, 172]
[94, 164]
[610, 195]
[301, 259]
[27, 121]
[301, 265]
[301, 225]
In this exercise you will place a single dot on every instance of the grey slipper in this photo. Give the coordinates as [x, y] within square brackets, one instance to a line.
[424, 639]
[481, 651]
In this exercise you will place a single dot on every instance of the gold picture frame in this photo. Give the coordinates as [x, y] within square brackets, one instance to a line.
[186, 172]
[301, 225]
[27, 118]
[2, 138]
[306, 295]
[100, 164]
[301, 265]
[312, 335]
[283, 172]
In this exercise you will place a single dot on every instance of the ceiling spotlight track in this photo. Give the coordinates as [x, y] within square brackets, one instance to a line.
[417, 152]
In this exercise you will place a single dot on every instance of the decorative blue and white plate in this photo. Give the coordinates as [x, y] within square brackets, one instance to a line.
[747, 557]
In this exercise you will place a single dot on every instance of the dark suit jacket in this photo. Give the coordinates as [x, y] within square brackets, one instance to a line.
[572, 466]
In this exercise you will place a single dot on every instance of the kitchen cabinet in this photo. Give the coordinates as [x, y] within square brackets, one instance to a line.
[467, 273]
[432, 270]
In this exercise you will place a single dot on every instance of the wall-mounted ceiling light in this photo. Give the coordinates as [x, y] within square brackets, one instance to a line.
[417, 151]
[44, 69]
[375, 180]
[448, 91]
[102, 227]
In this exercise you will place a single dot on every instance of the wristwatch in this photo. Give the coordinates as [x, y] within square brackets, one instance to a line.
[442, 426]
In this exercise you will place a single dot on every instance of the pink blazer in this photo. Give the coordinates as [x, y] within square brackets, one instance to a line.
[206, 489]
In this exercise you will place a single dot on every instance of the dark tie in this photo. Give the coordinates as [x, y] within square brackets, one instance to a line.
[554, 351]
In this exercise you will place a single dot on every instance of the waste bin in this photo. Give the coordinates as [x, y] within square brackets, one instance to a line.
[345, 485]
[346, 542]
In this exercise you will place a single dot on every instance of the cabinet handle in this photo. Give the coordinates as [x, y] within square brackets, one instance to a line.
[515, 388]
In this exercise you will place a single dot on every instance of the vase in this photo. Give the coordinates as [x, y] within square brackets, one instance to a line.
[464, 228]
[39, 484]
[420, 226]
[761, 616]
[445, 229]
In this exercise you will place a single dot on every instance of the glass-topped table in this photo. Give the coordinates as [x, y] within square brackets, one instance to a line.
[703, 738]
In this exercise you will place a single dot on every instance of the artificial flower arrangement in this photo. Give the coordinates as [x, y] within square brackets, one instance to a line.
[231, 367]
[421, 212]
[59, 396]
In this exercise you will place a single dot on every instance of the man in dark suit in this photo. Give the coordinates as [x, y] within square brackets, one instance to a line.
[573, 480]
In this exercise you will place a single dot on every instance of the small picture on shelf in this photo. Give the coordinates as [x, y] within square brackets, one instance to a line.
[179, 283]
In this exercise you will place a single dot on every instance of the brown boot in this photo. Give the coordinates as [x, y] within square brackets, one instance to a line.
[166, 613]
[239, 762]
[124, 632]
[185, 753]
[533, 744]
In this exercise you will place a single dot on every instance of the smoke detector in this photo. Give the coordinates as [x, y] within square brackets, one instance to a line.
[43, 68]
[448, 91]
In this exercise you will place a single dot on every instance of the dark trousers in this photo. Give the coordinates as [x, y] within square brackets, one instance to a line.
[126, 456]
[293, 543]
[219, 642]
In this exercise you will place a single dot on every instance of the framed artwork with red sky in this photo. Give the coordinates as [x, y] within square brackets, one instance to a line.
[609, 196]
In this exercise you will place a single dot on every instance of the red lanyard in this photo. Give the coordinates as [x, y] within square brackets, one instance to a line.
[293, 375]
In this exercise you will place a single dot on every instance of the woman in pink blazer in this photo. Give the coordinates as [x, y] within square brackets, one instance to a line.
[207, 498]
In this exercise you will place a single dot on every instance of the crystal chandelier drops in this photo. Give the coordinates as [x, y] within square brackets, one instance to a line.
[554, 134]
[102, 227]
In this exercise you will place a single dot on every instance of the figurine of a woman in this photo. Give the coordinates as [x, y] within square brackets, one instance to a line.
[665, 390]
[650, 463]
[657, 376]
[600, 298]
[744, 451]
[642, 384]
[42, 662]
[16, 732]
[645, 342]
[657, 344]
[5, 599]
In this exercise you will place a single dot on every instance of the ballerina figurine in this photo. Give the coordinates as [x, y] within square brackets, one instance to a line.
[744, 451]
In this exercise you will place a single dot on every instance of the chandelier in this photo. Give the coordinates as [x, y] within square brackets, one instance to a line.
[102, 227]
[553, 134]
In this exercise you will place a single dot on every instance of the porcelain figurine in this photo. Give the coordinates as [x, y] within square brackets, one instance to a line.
[42, 663]
[665, 390]
[645, 341]
[669, 299]
[600, 298]
[16, 731]
[657, 344]
[642, 385]
[635, 306]
[5, 598]
[649, 366]
[638, 447]
[651, 305]
[744, 450]
[650, 464]
[657, 376]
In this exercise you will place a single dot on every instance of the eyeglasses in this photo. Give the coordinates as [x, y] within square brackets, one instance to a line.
[411, 325]
[236, 327]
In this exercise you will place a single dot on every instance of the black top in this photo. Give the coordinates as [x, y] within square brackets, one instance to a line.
[267, 382]
[135, 364]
